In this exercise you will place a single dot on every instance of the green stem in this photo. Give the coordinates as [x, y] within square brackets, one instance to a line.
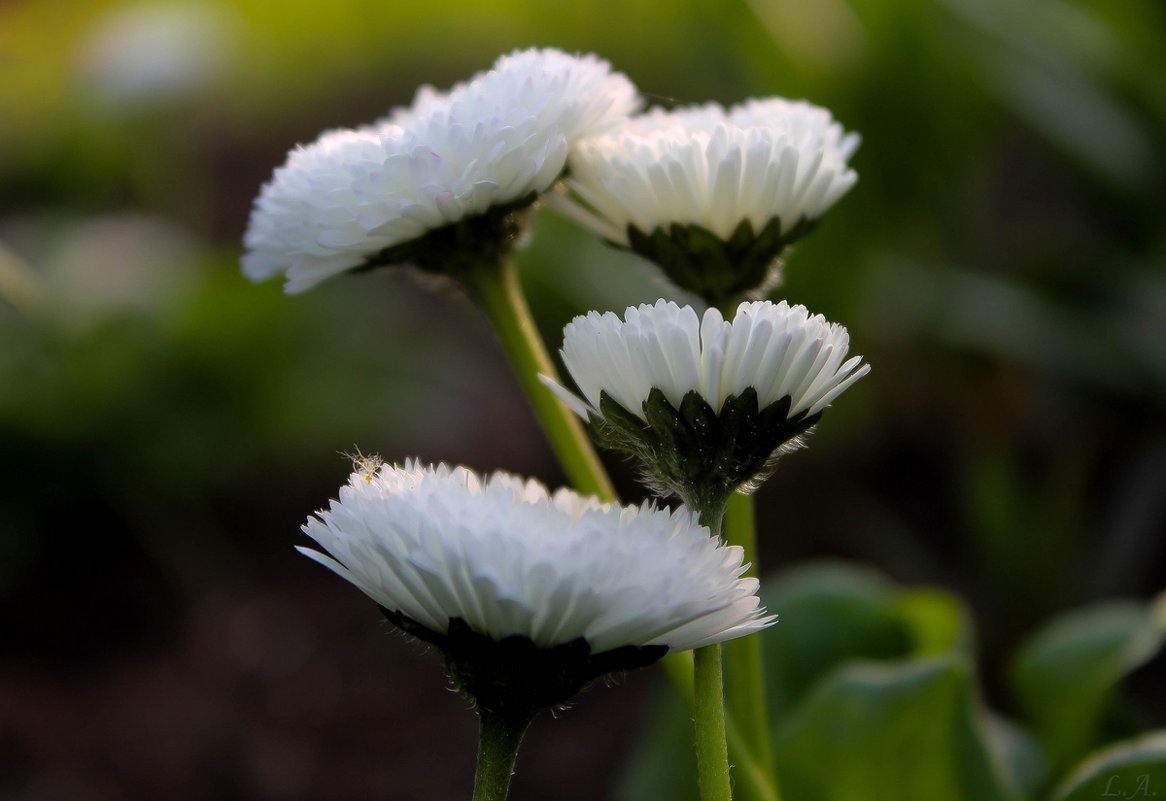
[498, 740]
[753, 782]
[740, 527]
[743, 657]
[499, 293]
[712, 750]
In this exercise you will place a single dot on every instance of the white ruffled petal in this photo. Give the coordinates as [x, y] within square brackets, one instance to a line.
[712, 167]
[510, 559]
[490, 141]
[777, 349]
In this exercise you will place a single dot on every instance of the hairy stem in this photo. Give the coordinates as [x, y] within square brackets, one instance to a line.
[498, 740]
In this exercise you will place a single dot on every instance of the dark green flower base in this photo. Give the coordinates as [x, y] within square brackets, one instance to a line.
[514, 678]
[695, 453]
[718, 270]
[455, 249]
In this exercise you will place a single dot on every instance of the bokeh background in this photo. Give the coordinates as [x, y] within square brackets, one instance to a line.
[166, 426]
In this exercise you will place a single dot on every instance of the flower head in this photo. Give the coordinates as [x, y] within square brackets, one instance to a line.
[456, 163]
[704, 404]
[456, 558]
[712, 195]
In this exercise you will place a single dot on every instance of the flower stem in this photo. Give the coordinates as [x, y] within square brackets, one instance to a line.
[743, 658]
[499, 293]
[740, 527]
[750, 778]
[498, 739]
[712, 750]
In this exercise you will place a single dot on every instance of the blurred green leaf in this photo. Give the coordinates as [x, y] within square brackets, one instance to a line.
[1066, 675]
[902, 732]
[831, 613]
[937, 621]
[1018, 751]
[828, 614]
[1132, 769]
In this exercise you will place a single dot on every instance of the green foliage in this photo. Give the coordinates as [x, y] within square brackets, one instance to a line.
[1128, 770]
[832, 613]
[1066, 676]
[875, 696]
[905, 731]
[852, 645]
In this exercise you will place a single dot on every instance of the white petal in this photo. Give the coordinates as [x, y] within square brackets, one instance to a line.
[777, 349]
[489, 141]
[510, 559]
[711, 167]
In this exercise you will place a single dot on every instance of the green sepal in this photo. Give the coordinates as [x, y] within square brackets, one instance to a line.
[513, 677]
[701, 421]
[460, 246]
[617, 429]
[719, 270]
[696, 453]
[671, 431]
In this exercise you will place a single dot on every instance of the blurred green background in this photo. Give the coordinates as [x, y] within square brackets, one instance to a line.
[165, 426]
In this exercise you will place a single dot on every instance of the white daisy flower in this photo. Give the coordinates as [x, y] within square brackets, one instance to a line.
[504, 558]
[468, 156]
[777, 349]
[704, 401]
[704, 191]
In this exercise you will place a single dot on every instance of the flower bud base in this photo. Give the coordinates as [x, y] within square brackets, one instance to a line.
[719, 270]
[696, 453]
